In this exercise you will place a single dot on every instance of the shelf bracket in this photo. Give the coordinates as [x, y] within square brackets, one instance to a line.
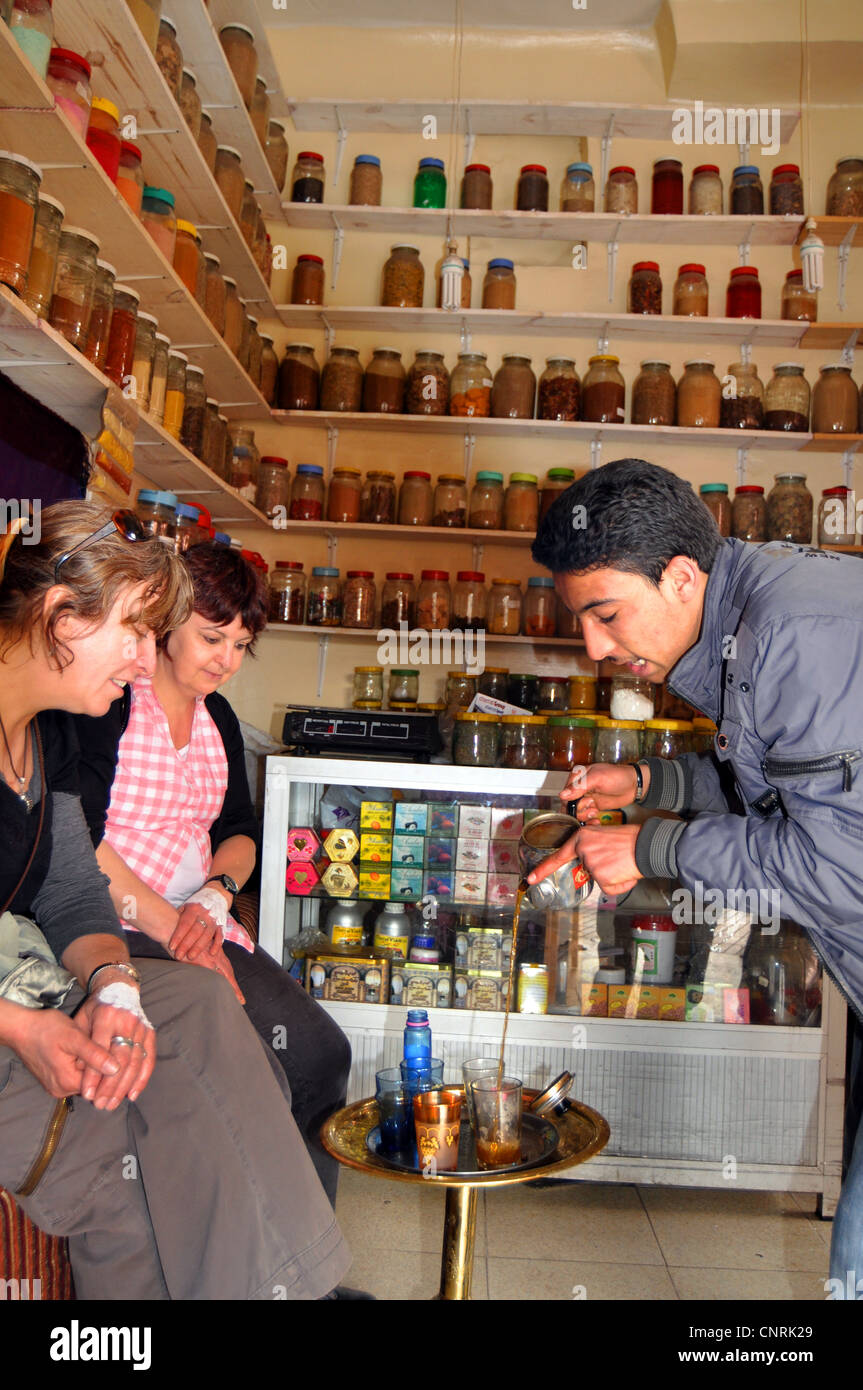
[611, 252]
[606, 151]
[329, 332]
[848, 466]
[332, 446]
[844, 252]
[746, 352]
[847, 355]
[465, 336]
[744, 247]
[469, 137]
[469, 446]
[340, 147]
[36, 362]
[338, 244]
[323, 647]
[77, 165]
[602, 338]
[743, 151]
[596, 451]
[742, 465]
[157, 130]
[478, 549]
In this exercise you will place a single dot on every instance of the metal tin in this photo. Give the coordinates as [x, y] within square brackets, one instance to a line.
[341, 846]
[532, 991]
[345, 923]
[553, 1099]
[340, 880]
[567, 886]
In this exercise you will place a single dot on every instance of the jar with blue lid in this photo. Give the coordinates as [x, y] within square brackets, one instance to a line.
[498, 287]
[221, 538]
[366, 181]
[540, 607]
[747, 193]
[307, 493]
[578, 191]
[187, 530]
[325, 598]
[157, 512]
[430, 184]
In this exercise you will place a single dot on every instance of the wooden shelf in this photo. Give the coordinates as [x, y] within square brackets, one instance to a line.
[822, 335]
[370, 634]
[444, 535]
[834, 230]
[166, 462]
[831, 443]
[249, 13]
[597, 227]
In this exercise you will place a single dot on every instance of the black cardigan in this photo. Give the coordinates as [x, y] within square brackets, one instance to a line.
[100, 742]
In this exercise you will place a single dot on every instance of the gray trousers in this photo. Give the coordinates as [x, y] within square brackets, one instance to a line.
[201, 1189]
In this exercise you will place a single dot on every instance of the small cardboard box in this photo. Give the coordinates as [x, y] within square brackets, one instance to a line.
[594, 1001]
[735, 1005]
[439, 884]
[469, 886]
[502, 889]
[376, 815]
[376, 848]
[672, 1004]
[340, 880]
[443, 817]
[420, 986]
[374, 882]
[440, 852]
[503, 857]
[408, 850]
[356, 978]
[410, 817]
[704, 1004]
[341, 846]
[471, 853]
[622, 1001]
[483, 990]
[303, 844]
[474, 821]
[647, 1005]
[301, 877]
[406, 883]
[483, 948]
[506, 823]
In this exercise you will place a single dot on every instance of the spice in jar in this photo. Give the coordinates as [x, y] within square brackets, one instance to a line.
[404, 686]
[433, 600]
[324, 607]
[269, 369]
[476, 186]
[130, 176]
[744, 409]
[845, 189]
[786, 399]
[523, 690]
[450, 501]
[486, 502]
[475, 739]
[273, 495]
[699, 396]
[504, 608]
[157, 512]
[513, 392]
[416, 501]
[665, 738]
[378, 498]
[157, 217]
[786, 191]
[238, 45]
[798, 303]
[617, 741]
[307, 493]
[654, 395]
[577, 191]
[358, 599]
[120, 355]
[559, 394]
[307, 282]
[428, 385]
[522, 742]
[557, 480]
[645, 288]
[430, 184]
[570, 741]
[19, 191]
[187, 254]
[342, 380]
[498, 287]
[369, 684]
[169, 56]
[667, 188]
[582, 692]
[103, 136]
[398, 601]
[469, 601]
[621, 191]
[343, 498]
[749, 514]
[207, 142]
[743, 295]
[493, 681]
[403, 280]
[568, 624]
[68, 79]
[789, 509]
[43, 258]
[540, 607]
[691, 291]
[276, 153]
[603, 390]
[299, 378]
[287, 593]
[705, 191]
[229, 177]
[366, 182]
[190, 102]
[718, 503]
[142, 362]
[470, 386]
[747, 194]
[837, 521]
[159, 377]
[521, 503]
[834, 401]
[175, 391]
[552, 693]
[532, 190]
[384, 383]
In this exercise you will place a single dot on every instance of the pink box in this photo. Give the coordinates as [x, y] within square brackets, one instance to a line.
[502, 889]
[303, 843]
[471, 853]
[506, 824]
[301, 878]
[735, 1005]
[470, 887]
[502, 857]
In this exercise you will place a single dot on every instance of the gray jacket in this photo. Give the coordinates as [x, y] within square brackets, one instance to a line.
[778, 665]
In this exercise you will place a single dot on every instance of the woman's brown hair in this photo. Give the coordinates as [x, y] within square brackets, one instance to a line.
[94, 578]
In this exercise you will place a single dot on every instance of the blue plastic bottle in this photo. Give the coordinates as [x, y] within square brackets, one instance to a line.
[417, 1039]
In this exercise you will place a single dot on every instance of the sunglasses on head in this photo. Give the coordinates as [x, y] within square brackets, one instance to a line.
[124, 522]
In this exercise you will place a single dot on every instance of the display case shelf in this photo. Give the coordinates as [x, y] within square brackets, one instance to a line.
[370, 634]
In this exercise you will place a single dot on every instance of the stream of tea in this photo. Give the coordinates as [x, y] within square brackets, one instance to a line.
[495, 1149]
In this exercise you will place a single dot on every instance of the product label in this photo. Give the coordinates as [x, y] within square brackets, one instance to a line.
[532, 989]
[398, 944]
[344, 935]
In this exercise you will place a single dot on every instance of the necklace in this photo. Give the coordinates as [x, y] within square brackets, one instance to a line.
[22, 792]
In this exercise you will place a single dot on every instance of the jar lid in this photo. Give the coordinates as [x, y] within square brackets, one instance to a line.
[691, 268]
[479, 168]
[561, 474]
[592, 679]
[229, 149]
[333, 351]
[788, 367]
[360, 574]
[621, 169]
[790, 477]
[431, 164]
[516, 357]
[160, 195]
[229, 280]
[365, 159]
[579, 168]
[367, 704]
[658, 162]
[645, 265]
[397, 574]
[317, 260]
[713, 487]
[451, 478]
[794, 275]
[359, 669]
[414, 473]
[54, 203]
[397, 352]
[127, 147]
[294, 565]
[748, 487]
[325, 571]
[314, 469]
[198, 370]
[222, 538]
[404, 671]
[835, 492]
[408, 706]
[106, 265]
[103, 104]
[175, 352]
[501, 260]
[700, 722]
[189, 227]
[653, 362]
[404, 246]
[677, 726]
[19, 159]
[188, 510]
[274, 460]
[835, 367]
[700, 362]
[745, 169]
[163, 499]
[133, 294]
[435, 574]
[495, 670]
[533, 168]
[147, 318]
[523, 478]
[488, 476]
[523, 719]
[474, 717]
[540, 581]
[786, 169]
[346, 471]
[603, 357]
[571, 721]
[244, 29]
[743, 270]
[516, 582]
[523, 676]
[625, 723]
[560, 361]
[706, 169]
[469, 577]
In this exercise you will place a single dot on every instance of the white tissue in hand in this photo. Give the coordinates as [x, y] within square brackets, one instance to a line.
[118, 996]
[212, 901]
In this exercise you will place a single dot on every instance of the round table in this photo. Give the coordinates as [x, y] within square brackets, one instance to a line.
[583, 1132]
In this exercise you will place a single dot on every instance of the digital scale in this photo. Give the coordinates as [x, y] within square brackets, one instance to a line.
[352, 733]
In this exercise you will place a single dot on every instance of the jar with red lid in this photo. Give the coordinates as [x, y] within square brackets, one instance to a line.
[476, 186]
[103, 135]
[307, 181]
[287, 593]
[837, 522]
[416, 502]
[691, 291]
[469, 601]
[749, 514]
[621, 191]
[433, 600]
[343, 498]
[666, 194]
[130, 176]
[705, 191]
[798, 303]
[68, 78]
[358, 599]
[532, 193]
[307, 493]
[786, 191]
[273, 494]
[743, 295]
[307, 283]
[645, 288]
[398, 600]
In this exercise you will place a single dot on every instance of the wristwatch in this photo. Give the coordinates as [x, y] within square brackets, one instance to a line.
[229, 884]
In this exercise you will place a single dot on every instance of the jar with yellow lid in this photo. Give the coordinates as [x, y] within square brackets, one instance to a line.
[475, 740]
[368, 684]
[704, 731]
[493, 682]
[522, 742]
[404, 686]
[603, 390]
[666, 738]
[617, 741]
[460, 690]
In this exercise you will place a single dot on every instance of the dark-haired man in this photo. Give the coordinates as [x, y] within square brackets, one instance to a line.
[768, 642]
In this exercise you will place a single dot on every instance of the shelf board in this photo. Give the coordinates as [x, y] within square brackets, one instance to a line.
[162, 459]
[576, 431]
[444, 535]
[370, 634]
[834, 230]
[572, 118]
[21, 85]
[821, 335]
[129, 76]
[374, 319]
[597, 227]
[248, 13]
[831, 443]
[39, 360]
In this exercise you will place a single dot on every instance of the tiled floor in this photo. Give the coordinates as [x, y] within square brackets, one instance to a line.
[594, 1241]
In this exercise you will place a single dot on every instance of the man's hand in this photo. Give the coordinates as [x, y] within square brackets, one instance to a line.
[601, 787]
[57, 1051]
[607, 852]
[135, 1059]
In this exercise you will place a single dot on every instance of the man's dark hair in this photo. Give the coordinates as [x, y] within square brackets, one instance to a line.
[634, 516]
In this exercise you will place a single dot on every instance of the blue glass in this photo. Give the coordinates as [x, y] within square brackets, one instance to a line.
[395, 1107]
[422, 1074]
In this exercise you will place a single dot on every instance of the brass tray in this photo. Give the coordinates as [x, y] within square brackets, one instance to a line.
[539, 1144]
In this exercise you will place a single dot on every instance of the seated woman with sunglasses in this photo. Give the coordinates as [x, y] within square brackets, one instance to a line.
[165, 794]
[179, 1172]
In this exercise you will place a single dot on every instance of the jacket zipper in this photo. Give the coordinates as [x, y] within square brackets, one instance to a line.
[830, 762]
[828, 970]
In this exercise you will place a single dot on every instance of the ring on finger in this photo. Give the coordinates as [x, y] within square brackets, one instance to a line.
[123, 1042]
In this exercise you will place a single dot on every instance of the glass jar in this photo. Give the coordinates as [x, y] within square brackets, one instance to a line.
[269, 369]
[403, 278]
[307, 493]
[430, 184]
[187, 530]
[245, 461]
[557, 480]
[798, 303]
[654, 395]
[521, 503]
[522, 742]
[493, 682]
[190, 102]
[513, 392]
[568, 624]
[169, 56]
[540, 609]
[552, 694]
[207, 142]
[621, 191]
[703, 733]
[343, 497]
[745, 409]
[789, 509]
[666, 194]
[259, 110]
[342, 380]
[645, 287]
[705, 191]
[276, 152]
[287, 593]
[175, 391]
[834, 401]
[238, 44]
[532, 191]
[146, 15]
[369, 683]
[836, 517]
[249, 214]
[366, 182]
[43, 256]
[307, 282]
[486, 502]
[74, 284]
[498, 286]
[476, 187]
[475, 740]
[398, 601]
[559, 390]
[19, 193]
[747, 194]
[384, 383]
[450, 501]
[460, 690]
[504, 608]
[582, 692]
[146, 326]
[691, 292]
[786, 191]
[617, 741]
[433, 600]
[235, 319]
[523, 690]
[699, 396]
[466, 285]
[743, 295]
[159, 376]
[194, 412]
[308, 178]
[718, 503]
[845, 189]
[358, 599]
[749, 514]
[603, 391]
[378, 498]
[470, 386]
[786, 399]
[31, 25]
[570, 741]
[68, 78]
[273, 494]
[469, 601]
[255, 353]
[403, 686]
[632, 697]
[665, 738]
[416, 503]
[187, 254]
[103, 135]
[130, 176]
[229, 177]
[299, 378]
[157, 512]
[427, 387]
[215, 292]
[577, 191]
[157, 217]
[217, 441]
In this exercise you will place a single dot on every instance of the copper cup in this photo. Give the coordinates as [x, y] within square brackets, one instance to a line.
[437, 1118]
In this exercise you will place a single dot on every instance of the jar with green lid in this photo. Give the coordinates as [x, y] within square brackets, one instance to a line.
[604, 390]
[493, 682]
[718, 503]
[287, 593]
[430, 184]
[553, 693]
[523, 742]
[428, 385]
[654, 395]
[749, 514]
[404, 686]
[325, 597]
[475, 741]
[513, 392]
[505, 605]
[582, 692]
[460, 690]
[744, 410]
[368, 683]
[789, 510]
[666, 738]
[159, 377]
[142, 363]
[540, 607]
[570, 741]
[521, 504]
[578, 191]
[617, 741]
[557, 480]
[486, 502]
[523, 690]
[158, 218]
[470, 386]
[559, 396]
[157, 512]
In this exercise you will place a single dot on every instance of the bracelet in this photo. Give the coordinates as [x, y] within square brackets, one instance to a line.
[639, 783]
[114, 965]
